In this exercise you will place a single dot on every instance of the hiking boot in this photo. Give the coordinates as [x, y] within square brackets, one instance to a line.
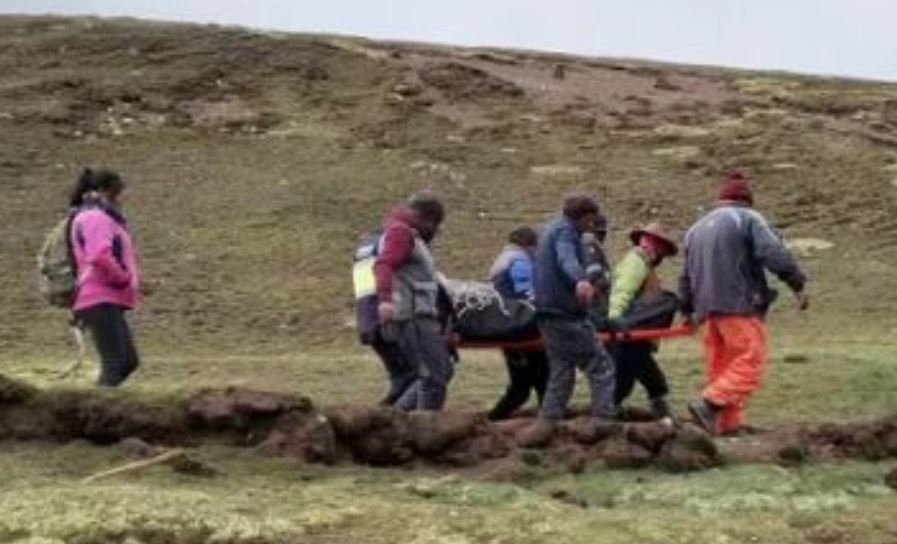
[705, 415]
[538, 435]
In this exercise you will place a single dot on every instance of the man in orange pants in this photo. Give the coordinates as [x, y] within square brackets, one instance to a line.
[723, 285]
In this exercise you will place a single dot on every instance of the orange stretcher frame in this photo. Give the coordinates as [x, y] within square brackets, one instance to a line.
[640, 335]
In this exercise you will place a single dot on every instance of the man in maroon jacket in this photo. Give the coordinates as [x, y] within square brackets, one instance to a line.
[408, 292]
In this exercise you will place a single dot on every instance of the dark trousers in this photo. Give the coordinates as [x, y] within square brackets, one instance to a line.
[400, 371]
[527, 372]
[635, 363]
[423, 344]
[571, 344]
[112, 338]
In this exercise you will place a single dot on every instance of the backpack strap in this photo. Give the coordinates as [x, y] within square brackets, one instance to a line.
[70, 251]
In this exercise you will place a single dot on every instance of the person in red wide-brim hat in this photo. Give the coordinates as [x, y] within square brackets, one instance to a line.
[636, 285]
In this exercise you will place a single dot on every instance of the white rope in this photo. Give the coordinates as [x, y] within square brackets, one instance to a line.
[473, 296]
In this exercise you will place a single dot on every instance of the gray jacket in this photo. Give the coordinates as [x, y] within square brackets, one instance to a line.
[599, 273]
[726, 255]
[415, 285]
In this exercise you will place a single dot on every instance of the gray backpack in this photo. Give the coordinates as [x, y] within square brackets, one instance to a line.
[55, 263]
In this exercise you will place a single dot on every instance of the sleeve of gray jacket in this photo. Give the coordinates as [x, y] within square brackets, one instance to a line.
[769, 248]
[686, 297]
[597, 274]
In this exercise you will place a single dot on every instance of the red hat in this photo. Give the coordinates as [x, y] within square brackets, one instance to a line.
[658, 232]
[737, 187]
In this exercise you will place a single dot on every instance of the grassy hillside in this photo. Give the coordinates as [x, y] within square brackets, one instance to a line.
[255, 159]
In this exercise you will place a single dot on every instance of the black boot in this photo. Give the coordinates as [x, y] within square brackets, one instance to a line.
[661, 410]
[705, 415]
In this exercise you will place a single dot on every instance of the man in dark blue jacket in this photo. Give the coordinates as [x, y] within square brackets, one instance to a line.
[564, 296]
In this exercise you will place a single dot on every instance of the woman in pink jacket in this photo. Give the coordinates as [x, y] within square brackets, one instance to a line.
[106, 268]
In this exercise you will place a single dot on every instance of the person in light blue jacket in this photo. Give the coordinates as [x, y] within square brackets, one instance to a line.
[512, 276]
[512, 271]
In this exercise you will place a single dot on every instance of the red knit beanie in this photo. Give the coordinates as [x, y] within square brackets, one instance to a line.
[737, 187]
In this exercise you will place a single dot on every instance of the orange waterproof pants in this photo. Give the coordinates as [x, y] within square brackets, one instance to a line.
[735, 351]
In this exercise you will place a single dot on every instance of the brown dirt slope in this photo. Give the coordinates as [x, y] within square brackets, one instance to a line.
[257, 158]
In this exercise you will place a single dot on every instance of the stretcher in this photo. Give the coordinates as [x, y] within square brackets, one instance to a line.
[637, 335]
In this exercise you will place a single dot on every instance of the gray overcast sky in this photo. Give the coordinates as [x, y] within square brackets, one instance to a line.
[843, 37]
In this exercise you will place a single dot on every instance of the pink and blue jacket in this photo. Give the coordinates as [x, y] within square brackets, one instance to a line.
[105, 259]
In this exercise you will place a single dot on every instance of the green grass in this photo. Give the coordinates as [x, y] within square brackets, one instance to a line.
[279, 501]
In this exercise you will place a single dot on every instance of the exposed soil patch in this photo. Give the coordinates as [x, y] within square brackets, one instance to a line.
[891, 479]
[464, 82]
[12, 391]
[181, 535]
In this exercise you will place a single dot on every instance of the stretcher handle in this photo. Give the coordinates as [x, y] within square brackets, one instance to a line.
[639, 335]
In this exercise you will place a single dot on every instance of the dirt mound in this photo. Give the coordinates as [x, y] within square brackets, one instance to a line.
[583, 431]
[459, 82]
[289, 425]
[891, 479]
[386, 437]
[304, 436]
[150, 534]
[376, 436]
[275, 422]
[381, 436]
[689, 450]
[13, 391]
[435, 432]
[108, 417]
[620, 453]
[108, 420]
[238, 408]
[102, 418]
[873, 441]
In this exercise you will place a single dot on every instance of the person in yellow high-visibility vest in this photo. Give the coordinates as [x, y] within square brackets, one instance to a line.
[400, 371]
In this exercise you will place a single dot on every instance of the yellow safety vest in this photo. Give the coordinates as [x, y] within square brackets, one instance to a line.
[363, 278]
